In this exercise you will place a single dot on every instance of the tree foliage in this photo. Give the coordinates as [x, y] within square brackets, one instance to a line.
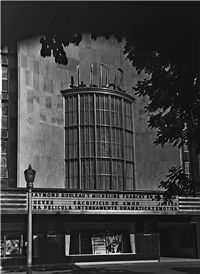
[172, 85]
[173, 89]
[177, 183]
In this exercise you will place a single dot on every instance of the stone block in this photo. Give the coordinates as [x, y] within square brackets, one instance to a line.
[30, 108]
[47, 85]
[60, 75]
[36, 81]
[36, 67]
[23, 61]
[109, 57]
[30, 121]
[29, 97]
[54, 121]
[58, 134]
[60, 121]
[27, 77]
[48, 67]
[59, 102]
[41, 147]
[46, 131]
[36, 99]
[48, 102]
[36, 163]
[42, 117]
[72, 65]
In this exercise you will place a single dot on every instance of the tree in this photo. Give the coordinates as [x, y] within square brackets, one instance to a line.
[177, 183]
[172, 86]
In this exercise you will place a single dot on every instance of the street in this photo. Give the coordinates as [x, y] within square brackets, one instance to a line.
[174, 267]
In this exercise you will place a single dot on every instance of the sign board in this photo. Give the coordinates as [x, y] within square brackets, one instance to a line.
[49, 201]
[108, 203]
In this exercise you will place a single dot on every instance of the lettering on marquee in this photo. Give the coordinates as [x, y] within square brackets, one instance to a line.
[76, 202]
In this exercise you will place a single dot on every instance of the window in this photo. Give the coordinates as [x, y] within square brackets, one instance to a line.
[99, 239]
[88, 174]
[185, 160]
[87, 141]
[14, 240]
[8, 118]
[99, 141]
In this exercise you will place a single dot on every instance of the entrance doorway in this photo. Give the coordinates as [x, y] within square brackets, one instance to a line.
[178, 240]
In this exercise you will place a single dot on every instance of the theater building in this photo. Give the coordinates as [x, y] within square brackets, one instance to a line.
[97, 171]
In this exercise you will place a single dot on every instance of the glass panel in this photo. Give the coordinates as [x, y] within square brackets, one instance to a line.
[99, 243]
[74, 242]
[117, 143]
[72, 143]
[117, 175]
[3, 147]
[4, 72]
[116, 112]
[4, 122]
[4, 133]
[88, 174]
[3, 160]
[107, 242]
[4, 59]
[4, 183]
[13, 243]
[2, 245]
[87, 142]
[129, 176]
[129, 146]
[87, 110]
[114, 241]
[4, 172]
[72, 175]
[103, 182]
[104, 174]
[126, 241]
[4, 108]
[102, 106]
[100, 239]
[103, 142]
[4, 96]
[86, 243]
[102, 117]
[71, 118]
[4, 85]
[128, 116]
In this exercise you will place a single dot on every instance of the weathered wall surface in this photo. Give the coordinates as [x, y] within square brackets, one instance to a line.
[152, 161]
[41, 112]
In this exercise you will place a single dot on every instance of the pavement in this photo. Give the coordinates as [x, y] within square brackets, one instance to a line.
[165, 266]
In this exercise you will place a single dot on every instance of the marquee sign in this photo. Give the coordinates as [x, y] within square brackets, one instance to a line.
[49, 201]
[108, 203]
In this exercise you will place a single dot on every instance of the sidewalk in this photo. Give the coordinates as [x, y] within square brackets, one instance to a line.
[77, 266]
[172, 259]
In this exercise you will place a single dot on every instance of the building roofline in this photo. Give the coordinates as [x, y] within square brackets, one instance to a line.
[86, 90]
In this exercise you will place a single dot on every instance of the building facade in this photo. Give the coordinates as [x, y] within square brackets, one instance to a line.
[97, 171]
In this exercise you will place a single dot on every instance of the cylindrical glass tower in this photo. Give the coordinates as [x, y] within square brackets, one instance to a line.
[99, 150]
